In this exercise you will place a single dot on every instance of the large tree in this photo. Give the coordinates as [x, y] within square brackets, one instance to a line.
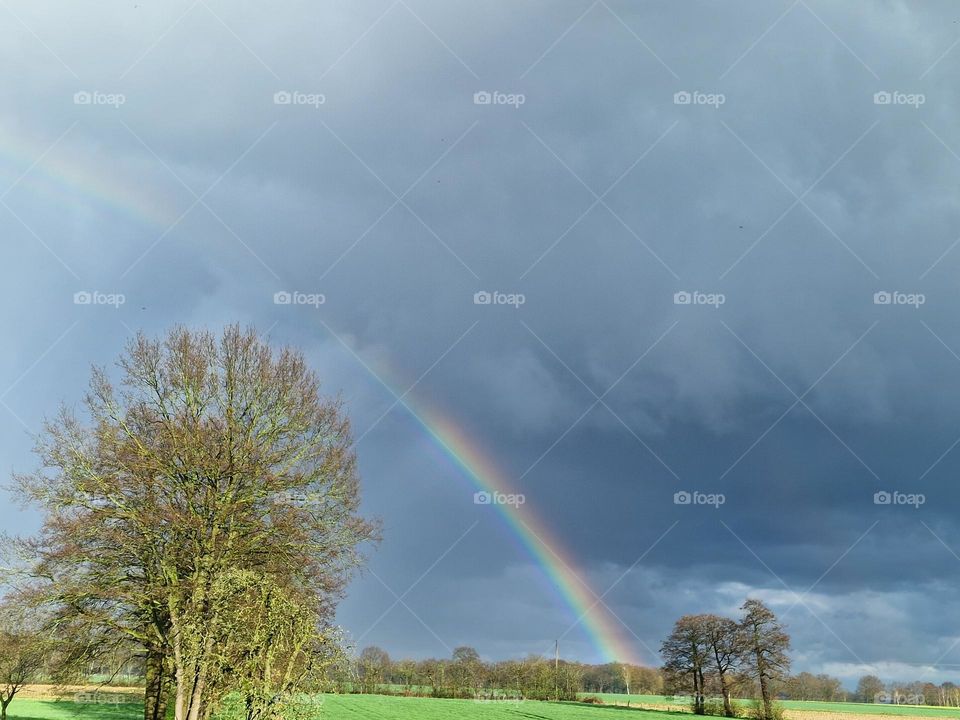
[199, 509]
[726, 652]
[765, 646]
[686, 658]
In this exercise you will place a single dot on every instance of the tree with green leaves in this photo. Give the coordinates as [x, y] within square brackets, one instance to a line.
[203, 510]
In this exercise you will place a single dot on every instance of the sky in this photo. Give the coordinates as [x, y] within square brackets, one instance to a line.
[676, 278]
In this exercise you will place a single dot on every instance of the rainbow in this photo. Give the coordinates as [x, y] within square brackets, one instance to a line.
[606, 632]
[70, 174]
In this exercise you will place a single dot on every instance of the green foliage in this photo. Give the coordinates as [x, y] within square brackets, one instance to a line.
[714, 706]
[756, 711]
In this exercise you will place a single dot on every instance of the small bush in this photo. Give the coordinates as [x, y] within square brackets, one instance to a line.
[592, 700]
[756, 711]
[714, 706]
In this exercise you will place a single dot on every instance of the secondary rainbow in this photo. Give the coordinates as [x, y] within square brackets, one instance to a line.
[72, 172]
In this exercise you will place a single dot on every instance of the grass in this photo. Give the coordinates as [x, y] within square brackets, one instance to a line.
[913, 711]
[383, 707]
[28, 709]
[872, 709]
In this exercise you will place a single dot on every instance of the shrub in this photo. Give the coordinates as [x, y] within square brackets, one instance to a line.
[756, 711]
[714, 706]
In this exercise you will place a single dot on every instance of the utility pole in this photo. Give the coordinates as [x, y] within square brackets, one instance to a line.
[556, 669]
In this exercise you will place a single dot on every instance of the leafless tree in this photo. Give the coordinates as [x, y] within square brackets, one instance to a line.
[765, 646]
[726, 653]
[686, 655]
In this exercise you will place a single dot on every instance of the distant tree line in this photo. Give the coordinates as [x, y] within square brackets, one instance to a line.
[465, 675]
[871, 689]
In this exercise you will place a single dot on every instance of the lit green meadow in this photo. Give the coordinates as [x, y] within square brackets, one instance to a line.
[384, 707]
[25, 709]
[807, 705]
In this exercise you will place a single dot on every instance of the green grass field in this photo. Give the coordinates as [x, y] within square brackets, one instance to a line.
[24, 709]
[809, 706]
[873, 709]
[383, 707]
[379, 707]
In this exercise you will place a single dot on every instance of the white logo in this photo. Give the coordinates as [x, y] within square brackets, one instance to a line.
[484, 97]
[896, 297]
[699, 298]
[95, 297]
[699, 498]
[295, 97]
[94, 97]
[300, 499]
[299, 298]
[896, 97]
[483, 297]
[883, 497]
[898, 699]
[696, 97]
[98, 698]
[498, 498]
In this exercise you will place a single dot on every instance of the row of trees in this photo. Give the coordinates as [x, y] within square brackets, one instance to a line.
[714, 655]
[200, 515]
[871, 689]
[465, 675]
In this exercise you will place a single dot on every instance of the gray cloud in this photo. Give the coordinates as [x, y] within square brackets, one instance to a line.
[398, 198]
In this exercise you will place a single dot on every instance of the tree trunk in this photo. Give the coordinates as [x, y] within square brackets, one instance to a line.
[3, 707]
[727, 709]
[158, 681]
[765, 696]
[699, 707]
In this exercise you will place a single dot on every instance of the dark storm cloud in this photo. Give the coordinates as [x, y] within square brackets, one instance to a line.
[597, 197]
